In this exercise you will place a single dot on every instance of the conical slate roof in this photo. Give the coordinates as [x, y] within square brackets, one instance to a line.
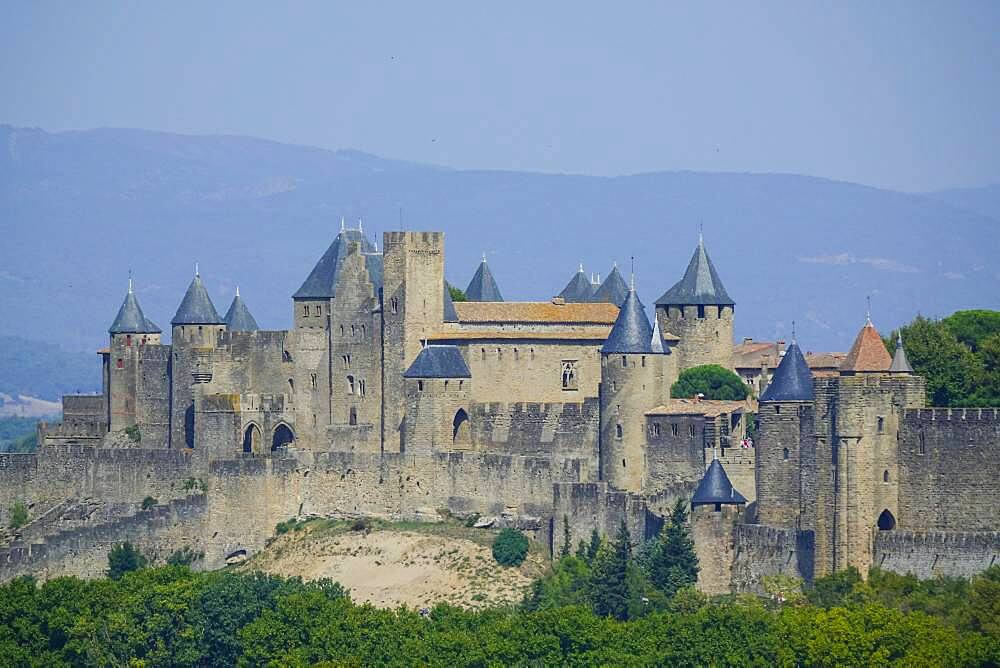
[631, 332]
[449, 314]
[483, 287]
[656, 341]
[613, 290]
[715, 487]
[196, 308]
[868, 352]
[238, 318]
[578, 289]
[322, 280]
[899, 362]
[701, 284]
[439, 362]
[792, 380]
[130, 318]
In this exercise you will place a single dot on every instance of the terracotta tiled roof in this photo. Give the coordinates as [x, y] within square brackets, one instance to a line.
[703, 407]
[585, 334]
[547, 312]
[104, 351]
[868, 352]
[818, 361]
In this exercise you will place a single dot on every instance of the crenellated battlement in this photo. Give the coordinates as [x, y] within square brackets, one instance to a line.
[952, 414]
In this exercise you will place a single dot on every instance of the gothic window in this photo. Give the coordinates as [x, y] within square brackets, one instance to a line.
[886, 522]
[312, 380]
[352, 418]
[350, 384]
[618, 431]
[881, 424]
[394, 304]
[569, 381]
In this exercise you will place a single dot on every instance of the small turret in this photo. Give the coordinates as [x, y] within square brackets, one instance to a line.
[792, 380]
[238, 318]
[899, 362]
[716, 489]
[868, 354]
[578, 289]
[130, 318]
[483, 287]
[196, 308]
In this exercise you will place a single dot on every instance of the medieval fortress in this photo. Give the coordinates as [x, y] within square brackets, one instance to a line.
[387, 398]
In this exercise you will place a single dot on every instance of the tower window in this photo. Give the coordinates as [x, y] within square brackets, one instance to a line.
[350, 384]
[673, 428]
[624, 361]
[531, 351]
[312, 380]
[515, 354]
[656, 429]
[643, 360]
[352, 418]
[305, 310]
[623, 463]
[881, 424]
[569, 381]
[128, 340]
[618, 431]
[483, 353]
[120, 363]
[499, 354]
[923, 445]
[394, 305]
[691, 430]
[341, 330]
[885, 476]
[346, 360]
[701, 310]
[777, 410]
[420, 386]
[784, 453]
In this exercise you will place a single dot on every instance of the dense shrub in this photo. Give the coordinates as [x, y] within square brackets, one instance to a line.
[123, 559]
[149, 502]
[710, 380]
[18, 515]
[510, 547]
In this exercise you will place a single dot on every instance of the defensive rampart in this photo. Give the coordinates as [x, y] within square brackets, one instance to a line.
[931, 554]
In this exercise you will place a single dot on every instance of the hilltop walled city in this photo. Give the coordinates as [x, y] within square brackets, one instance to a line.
[386, 398]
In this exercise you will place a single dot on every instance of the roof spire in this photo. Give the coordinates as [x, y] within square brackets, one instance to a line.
[484, 256]
[581, 267]
[237, 291]
[341, 223]
[793, 331]
[868, 313]
[701, 233]
[196, 272]
[359, 226]
[130, 281]
[631, 280]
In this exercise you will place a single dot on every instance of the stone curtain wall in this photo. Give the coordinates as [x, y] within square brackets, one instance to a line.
[948, 469]
[932, 554]
[761, 551]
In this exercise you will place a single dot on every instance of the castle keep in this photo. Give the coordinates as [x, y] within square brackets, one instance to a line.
[386, 397]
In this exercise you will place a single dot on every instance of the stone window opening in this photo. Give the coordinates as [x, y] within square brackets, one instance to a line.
[350, 384]
[656, 429]
[460, 384]
[483, 352]
[128, 340]
[532, 353]
[346, 360]
[282, 437]
[881, 424]
[446, 384]
[354, 330]
[784, 453]
[515, 355]
[691, 430]
[341, 330]
[291, 387]
[420, 386]
[120, 363]
[777, 410]
[361, 387]
[643, 360]
[499, 355]
[286, 356]
[251, 438]
[352, 417]
[460, 429]
[923, 445]
[569, 381]
[305, 310]
[624, 362]
[363, 330]
[701, 311]
[619, 432]
[394, 304]
[885, 476]
[886, 522]
[312, 380]
[673, 428]
[623, 463]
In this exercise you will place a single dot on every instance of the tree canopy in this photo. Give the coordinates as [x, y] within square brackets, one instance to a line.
[711, 380]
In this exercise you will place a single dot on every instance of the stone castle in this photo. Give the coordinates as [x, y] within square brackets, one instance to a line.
[388, 398]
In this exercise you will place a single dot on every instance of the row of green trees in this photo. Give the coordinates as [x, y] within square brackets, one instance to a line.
[959, 356]
[173, 616]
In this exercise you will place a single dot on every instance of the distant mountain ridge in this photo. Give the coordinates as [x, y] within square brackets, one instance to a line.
[79, 209]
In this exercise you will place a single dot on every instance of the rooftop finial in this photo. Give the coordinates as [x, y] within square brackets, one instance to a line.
[359, 225]
[237, 291]
[341, 223]
[130, 281]
[899, 339]
[701, 233]
[868, 313]
[631, 282]
[581, 267]
[484, 256]
[196, 272]
[793, 331]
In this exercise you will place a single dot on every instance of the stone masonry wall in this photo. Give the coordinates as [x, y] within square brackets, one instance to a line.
[761, 551]
[928, 555]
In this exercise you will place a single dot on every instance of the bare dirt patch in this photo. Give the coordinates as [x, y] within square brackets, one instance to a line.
[408, 565]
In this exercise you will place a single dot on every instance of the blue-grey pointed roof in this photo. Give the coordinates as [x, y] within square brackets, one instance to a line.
[196, 308]
[322, 280]
[439, 362]
[656, 342]
[449, 315]
[131, 319]
[376, 269]
[483, 287]
[578, 289]
[238, 318]
[792, 380]
[715, 487]
[899, 362]
[700, 285]
[632, 332]
[613, 290]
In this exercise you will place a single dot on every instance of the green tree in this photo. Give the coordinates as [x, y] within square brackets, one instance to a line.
[711, 380]
[123, 559]
[836, 589]
[673, 563]
[457, 295]
[949, 367]
[595, 545]
[149, 502]
[610, 581]
[972, 327]
[18, 515]
[510, 547]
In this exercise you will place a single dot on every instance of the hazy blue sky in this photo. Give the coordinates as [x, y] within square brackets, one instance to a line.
[900, 95]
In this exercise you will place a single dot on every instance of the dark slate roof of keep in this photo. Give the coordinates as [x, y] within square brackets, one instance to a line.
[449, 314]
[613, 290]
[322, 280]
[238, 318]
[631, 332]
[715, 487]
[483, 287]
[700, 285]
[196, 308]
[131, 319]
[899, 362]
[792, 380]
[578, 289]
[439, 362]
